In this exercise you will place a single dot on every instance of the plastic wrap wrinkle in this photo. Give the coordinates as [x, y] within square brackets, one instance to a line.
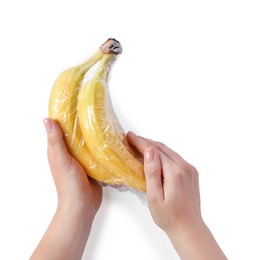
[80, 101]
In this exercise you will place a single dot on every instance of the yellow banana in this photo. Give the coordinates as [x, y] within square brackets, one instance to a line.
[103, 133]
[63, 108]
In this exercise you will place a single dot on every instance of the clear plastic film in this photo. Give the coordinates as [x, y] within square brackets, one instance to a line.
[80, 102]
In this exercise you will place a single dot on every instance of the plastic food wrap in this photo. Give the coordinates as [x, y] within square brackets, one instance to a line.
[80, 102]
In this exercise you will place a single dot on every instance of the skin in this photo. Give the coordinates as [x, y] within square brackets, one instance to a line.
[78, 201]
[174, 200]
[172, 193]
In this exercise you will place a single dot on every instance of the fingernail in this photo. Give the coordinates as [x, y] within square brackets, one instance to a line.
[149, 154]
[48, 125]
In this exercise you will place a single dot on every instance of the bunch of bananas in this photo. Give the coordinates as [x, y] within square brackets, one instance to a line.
[92, 131]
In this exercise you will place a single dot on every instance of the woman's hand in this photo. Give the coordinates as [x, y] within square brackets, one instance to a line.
[173, 197]
[79, 198]
[75, 190]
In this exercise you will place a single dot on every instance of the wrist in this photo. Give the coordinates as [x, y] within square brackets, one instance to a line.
[75, 212]
[185, 236]
[196, 242]
[187, 232]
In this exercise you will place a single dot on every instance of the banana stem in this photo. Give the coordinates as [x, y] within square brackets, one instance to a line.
[111, 46]
[84, 67]
[105, 66]
[111, 49]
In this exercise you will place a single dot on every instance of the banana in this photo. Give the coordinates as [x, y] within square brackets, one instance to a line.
[102, 131]
[63, 108]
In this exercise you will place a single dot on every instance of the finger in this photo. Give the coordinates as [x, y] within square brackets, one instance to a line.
[168, 165]
[167, 151]
[58, 154]
[139, 143]
[153, 175]
[142, 144]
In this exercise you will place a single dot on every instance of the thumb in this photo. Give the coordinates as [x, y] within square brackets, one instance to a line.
[58, 154]
[153, 174]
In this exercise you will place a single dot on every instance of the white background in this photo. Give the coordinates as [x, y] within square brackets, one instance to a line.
[188, 76]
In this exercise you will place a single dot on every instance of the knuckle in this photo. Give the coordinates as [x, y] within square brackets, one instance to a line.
[52, 141]
[69, 165]
[179, 172]
[154, 172]
[190, 171]
[188, 168]
[195, 173]
[160, 144]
